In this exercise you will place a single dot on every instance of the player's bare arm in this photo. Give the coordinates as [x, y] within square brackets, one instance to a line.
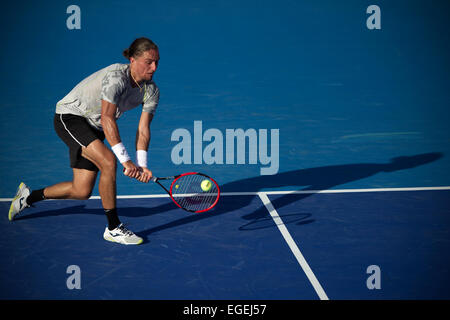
[143, 136]
[112, 135]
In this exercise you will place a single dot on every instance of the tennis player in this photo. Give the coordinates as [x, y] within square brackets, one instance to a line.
[88, 115]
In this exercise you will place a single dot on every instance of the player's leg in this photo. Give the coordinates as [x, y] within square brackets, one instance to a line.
[76, 133]
[80, 188]
[105, 160]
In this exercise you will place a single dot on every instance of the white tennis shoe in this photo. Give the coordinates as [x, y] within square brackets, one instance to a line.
[121, 235]
[19, 202]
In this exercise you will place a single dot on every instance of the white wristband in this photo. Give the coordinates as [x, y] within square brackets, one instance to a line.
[141, 156]
[120, 152]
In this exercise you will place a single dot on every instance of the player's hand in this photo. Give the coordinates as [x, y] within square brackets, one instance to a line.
[146, 175]
[131, 170]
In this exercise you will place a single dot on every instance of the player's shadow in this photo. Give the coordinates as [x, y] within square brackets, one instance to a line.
[320, 178]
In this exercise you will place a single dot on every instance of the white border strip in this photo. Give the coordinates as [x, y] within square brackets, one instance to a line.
[281, 192]
[293, 246]
[337, 191]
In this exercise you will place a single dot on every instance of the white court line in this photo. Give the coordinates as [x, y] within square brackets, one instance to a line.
[337, 191]
[293, 246]
[281, 192]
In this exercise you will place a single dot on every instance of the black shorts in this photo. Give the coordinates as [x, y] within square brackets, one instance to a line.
[76, 132]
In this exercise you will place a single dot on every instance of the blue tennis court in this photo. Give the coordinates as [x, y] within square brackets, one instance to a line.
[329, 140]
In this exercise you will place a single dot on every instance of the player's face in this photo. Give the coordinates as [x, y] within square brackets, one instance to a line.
[145, 65]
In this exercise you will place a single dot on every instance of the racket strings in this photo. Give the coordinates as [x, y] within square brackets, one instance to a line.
[188, 193]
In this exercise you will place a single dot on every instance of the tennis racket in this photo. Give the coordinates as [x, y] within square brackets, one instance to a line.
[187, 192]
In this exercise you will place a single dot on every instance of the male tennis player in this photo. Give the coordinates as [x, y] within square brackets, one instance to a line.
[85, 117]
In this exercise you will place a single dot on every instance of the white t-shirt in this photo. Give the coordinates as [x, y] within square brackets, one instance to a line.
[111, 84]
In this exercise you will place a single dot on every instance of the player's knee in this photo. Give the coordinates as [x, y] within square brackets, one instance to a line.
[85, 195]
[81, 194]
[109, 163]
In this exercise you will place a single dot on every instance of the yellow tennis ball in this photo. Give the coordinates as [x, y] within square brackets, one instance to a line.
[177, 186]
[206, 185]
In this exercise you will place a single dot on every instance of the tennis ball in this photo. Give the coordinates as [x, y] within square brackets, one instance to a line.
[206, 185]
[177, 186]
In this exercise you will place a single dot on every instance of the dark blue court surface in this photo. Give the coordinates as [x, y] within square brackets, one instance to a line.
[362, 115]
[235, 252]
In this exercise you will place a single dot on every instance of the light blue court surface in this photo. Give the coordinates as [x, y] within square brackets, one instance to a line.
[362, 116]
